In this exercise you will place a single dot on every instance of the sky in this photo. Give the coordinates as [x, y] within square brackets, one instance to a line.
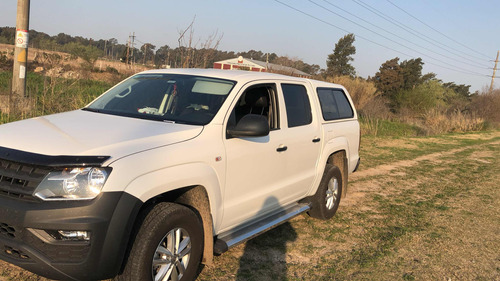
[457, 39]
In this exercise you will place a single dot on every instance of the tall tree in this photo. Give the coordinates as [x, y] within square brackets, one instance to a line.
[147, 52]
[389, 79]
[162, 56]
[412, 72]
[338, 63]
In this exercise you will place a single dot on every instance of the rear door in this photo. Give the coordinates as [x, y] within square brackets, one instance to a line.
[302, 133]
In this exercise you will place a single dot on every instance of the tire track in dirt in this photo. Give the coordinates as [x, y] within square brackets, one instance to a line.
[386, 168]
[355, 190]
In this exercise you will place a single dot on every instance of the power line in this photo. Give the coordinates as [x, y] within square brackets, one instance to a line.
[373, 42]
[393, 34]
[435, 29]
[416, 32]
[393, 41]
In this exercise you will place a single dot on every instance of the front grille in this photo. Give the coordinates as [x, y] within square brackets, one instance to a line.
[7, 230]
[20, 180]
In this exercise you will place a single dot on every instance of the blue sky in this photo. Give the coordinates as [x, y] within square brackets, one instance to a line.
[464, 54]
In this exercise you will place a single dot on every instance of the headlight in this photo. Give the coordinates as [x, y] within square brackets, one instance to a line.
[72, 184]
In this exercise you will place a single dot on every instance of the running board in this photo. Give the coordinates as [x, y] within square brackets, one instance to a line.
[232, 238]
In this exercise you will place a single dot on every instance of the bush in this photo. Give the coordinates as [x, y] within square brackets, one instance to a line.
[435, 122]
[422, 98]
[487, 106]
[377, 108]
[112, 70]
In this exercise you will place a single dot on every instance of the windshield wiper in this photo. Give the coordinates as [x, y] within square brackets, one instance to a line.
[91, 109]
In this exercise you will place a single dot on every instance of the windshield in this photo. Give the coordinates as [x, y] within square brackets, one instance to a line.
[166, 97]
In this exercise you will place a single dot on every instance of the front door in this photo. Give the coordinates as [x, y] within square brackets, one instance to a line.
[255, 166]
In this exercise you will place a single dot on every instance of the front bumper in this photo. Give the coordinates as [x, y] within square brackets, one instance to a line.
[109, 218]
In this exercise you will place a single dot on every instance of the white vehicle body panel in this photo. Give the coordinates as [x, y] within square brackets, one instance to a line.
[87, 133]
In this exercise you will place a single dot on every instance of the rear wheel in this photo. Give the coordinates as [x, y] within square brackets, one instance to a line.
[326, 201]
[168, 246]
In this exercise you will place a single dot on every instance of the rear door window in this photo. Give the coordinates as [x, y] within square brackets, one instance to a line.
[298, 108]
[334, 104]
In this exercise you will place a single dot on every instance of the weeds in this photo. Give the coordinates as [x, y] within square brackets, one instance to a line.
[52, 95]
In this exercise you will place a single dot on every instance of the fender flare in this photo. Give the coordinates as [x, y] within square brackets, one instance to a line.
[171, 178]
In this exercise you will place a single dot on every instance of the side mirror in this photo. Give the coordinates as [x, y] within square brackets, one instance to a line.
[250, 125]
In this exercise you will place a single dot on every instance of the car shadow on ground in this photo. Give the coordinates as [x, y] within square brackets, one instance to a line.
[264, 257]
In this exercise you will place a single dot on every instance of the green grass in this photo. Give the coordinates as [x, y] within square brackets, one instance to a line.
[384, 128]
[377, 150]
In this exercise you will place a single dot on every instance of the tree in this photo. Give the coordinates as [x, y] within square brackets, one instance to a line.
[147, 51]
[412, 72]
[338, 63]
[88, 53]
[389, 79]
[163, 56]
[462, 89]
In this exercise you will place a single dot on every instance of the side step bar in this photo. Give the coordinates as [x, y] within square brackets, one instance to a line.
[231, 238]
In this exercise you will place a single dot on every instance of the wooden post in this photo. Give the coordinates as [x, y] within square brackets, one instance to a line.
[18, 100]
[21, 50]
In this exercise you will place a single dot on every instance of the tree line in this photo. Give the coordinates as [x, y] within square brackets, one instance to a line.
[202, 55]
[402, 83]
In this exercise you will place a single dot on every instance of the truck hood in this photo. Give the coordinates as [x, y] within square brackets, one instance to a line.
[88, 133]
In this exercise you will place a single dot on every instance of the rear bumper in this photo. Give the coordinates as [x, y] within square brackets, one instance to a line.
[109, 218]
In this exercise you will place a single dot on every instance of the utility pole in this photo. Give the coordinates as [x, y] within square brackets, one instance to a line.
[105, 49]
[133, 42]
[494, 72]
[21, 51]
[128, 49]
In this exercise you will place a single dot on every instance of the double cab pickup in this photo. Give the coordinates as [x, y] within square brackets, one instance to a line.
[168, 168]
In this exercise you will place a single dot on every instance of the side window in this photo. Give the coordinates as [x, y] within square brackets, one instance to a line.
[334, 104]
[298, 108]
[259, 100]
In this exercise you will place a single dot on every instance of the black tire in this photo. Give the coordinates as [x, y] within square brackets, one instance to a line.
[156, 240]
[325, 202]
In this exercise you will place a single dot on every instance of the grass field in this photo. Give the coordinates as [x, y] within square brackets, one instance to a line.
[419, 208]
[52, 95]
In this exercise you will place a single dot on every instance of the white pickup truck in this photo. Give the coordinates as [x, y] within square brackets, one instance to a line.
[169, 167]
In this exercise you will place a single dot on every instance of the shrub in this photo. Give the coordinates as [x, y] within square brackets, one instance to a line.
[422, 98]
[377, 108]
[112, 70]
[436, 122]
[487, 106]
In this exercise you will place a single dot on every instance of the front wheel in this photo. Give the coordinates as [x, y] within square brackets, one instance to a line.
[326, 201]
[168, 246]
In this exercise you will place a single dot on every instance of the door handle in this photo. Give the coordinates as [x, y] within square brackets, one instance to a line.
[281, 148]
[316, 140]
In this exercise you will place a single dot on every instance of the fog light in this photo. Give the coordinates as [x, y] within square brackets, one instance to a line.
[74, 235]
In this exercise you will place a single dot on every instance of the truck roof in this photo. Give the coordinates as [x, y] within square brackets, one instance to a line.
[239, 75]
